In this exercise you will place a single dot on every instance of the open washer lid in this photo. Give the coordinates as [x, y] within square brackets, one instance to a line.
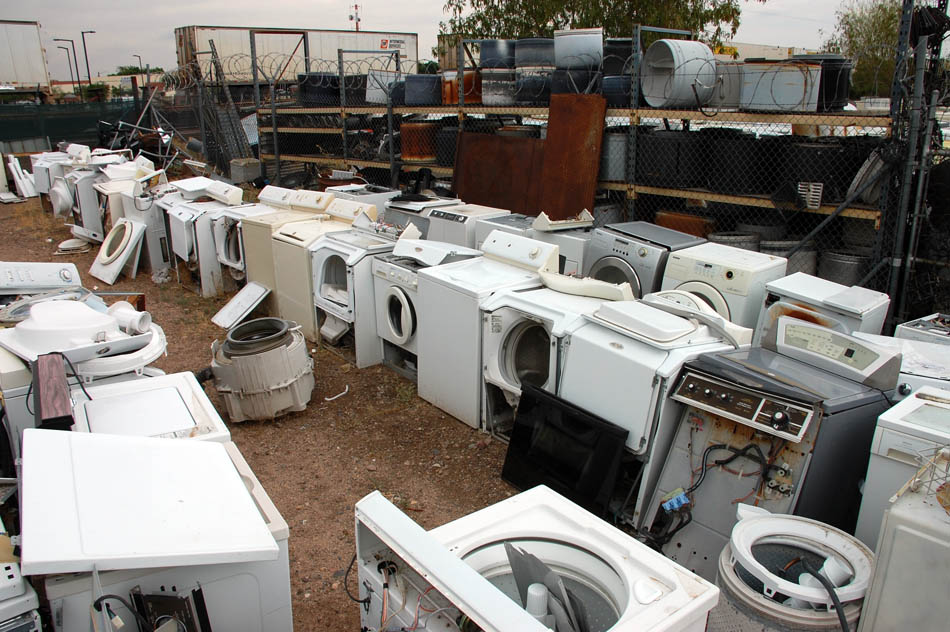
[183, 503]
[708, 293]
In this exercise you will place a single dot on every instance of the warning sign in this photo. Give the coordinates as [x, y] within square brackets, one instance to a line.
[392, 44]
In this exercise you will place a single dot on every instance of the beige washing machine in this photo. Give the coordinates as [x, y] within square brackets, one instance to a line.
[294, 281]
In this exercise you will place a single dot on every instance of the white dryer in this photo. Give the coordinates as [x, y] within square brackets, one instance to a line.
[515, 223]
[523, 342]
[622, 364]
[449, 344]
[731, 280]
[396, 282]
[456, 224]
[170, 406]
[471, 568]
[343, 293]
[228, 238]
[852, 308]
[634, 252]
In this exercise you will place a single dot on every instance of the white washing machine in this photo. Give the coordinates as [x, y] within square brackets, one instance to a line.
[634, 252]
[200, 186]
[475, 569]
[922, 364]
[572, 245]
[396, 282]
[853, 308]
[523, 342]
[147, 209]
[342, 266]
[296, 199]
[365, 193]
[74, 195]
[934, 328]
[411, 208]
[456, 224]
[170, 406]
[450, 329]
[46, 167]
[197, 536]
[905, 437]
[731, 280]
[621, 364]
[515, 223]
[292, 270]
[228, 237]
[30, 277]
[192, 237]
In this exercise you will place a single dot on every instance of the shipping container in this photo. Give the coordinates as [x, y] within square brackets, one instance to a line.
[22, 58]
[284, 51]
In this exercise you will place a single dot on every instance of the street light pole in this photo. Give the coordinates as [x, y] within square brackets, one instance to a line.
[139, 57]
[75, 62]
[86, 55]
[69, 65]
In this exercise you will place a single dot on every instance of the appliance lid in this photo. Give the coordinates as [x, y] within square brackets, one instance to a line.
[523, 252]
[516, 220]
[240, 305]
[146, 413]
[183, 503]
[432, 253]
[924, 414]
[853, 300]
[770, 372]
[639, 318]
[918, 357]
[658, 235]
[359, 239]
[475, 210]
[416, 203]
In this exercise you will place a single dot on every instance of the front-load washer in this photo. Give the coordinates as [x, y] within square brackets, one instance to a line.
[196, 534]
[343, 293]
[906, 436]
[293, 273]
[456, 224]
[228, 237]
[523, 342]
[515, 223]
[412, 208]
[450, 329]
[855, 308]
[787, 427]
[621, 364]
[731, 280]
[480, 568]
[120, 251]
[170, 406]
[396, 282]
[634, 252]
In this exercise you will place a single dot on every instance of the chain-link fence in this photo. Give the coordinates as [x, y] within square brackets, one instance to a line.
[773, 155]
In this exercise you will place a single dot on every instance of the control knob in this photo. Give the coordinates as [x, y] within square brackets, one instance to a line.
[708, 392]
[905, 389]
[725, 397]
[780, 419]
[690, 387]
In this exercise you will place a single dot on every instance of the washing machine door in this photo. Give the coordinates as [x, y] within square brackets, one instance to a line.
[616, 270]
[115, 243]
[526, 355]
[400, 315]
[709, 294]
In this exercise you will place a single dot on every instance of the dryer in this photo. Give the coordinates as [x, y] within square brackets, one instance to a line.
[731, 280]
[634, 252]
[472, 568]
[523, 342]
[343, 293]
[228, 237]
[395, 282]
[622, 363]
[456, 224]
[450, 330]
[170, 406]
[515, 223]
[854, 308]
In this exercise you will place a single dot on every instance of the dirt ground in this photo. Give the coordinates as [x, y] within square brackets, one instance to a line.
[316, 464]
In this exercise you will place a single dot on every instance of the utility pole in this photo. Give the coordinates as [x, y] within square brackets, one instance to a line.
[69, 64]
[86, 55]
[76, 62]
[355, 17]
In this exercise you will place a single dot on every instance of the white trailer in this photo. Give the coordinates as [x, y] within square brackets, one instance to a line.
[288, 51]
[22, 58]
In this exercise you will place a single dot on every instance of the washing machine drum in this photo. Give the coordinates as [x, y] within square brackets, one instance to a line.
[616, 270]
[527, 354]
[400, 315]
[232, 246]
[115, 243]
[60, 197]
[708, 293]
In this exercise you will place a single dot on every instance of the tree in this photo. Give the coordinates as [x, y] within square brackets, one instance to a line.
[866, 31]
[514, 19]
[134, 70]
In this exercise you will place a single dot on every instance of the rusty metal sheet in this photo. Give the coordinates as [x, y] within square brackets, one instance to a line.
[572, 154]
[499, 171]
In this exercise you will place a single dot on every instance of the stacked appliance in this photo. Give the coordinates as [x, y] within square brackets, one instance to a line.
[731, 280]
[292, 259]
[449, 317]
[343, 292]
[532, 562]
[788, 427]
[456, 224]
[634, 253]
[412, 208]
[396, 283]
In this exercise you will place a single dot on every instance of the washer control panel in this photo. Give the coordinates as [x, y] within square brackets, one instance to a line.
[761, 411]
[17, 277]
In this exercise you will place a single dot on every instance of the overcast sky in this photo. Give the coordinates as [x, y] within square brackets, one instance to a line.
[147, 28]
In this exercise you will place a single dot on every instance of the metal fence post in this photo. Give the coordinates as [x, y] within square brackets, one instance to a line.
[393, 167]
[339, 61]
[631, 197]
[273, 122]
